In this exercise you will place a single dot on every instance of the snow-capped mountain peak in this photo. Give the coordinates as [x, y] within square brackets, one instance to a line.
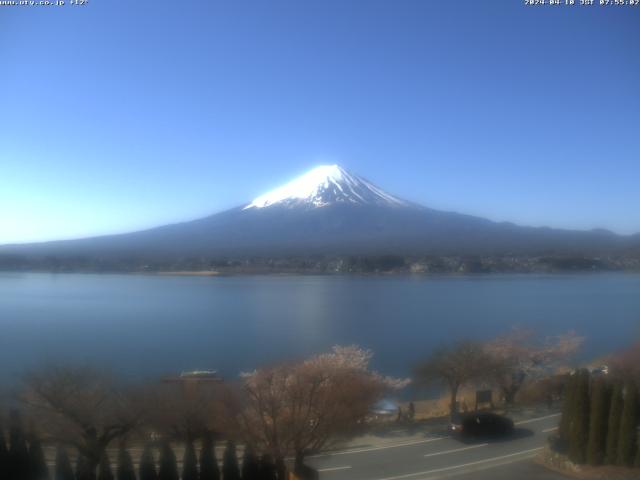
[326, 185]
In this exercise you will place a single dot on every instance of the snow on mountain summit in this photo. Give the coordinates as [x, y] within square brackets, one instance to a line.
[326, 185]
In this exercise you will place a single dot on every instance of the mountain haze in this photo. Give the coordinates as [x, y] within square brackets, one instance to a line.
[330, 211]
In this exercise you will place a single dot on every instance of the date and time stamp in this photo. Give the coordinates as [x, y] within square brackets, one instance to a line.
[582, 3]
[528, 3]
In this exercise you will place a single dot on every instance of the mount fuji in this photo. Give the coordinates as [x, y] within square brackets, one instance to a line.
[327, 211]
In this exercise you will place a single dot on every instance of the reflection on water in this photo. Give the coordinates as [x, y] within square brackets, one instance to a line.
[148, 325]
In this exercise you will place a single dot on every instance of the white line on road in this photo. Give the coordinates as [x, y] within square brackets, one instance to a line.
[373, 449]
[462, 465]
[333, 469]
[415, 442]
[456, 450]
[539, 418]
[547, 430]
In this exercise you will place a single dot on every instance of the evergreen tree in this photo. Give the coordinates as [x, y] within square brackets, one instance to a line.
[628, 425]
[230, 470]
[189, 463]
[63, 471]
[125, 470]
[209, 469]
[82, 467]
[267, 468]
[148, 465]
[567, 408]
[104, 469]
[250, 464]
[3, 455]
[600, 396]
[168, 464]
[18, 456]
[281, 468]
[613, 424]
[579, 424]
[38, 469]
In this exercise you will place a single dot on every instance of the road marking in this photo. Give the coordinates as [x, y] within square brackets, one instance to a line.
[462, 465]
[547, 430]
[456, 450]
[334, 469]
[539, 418]
[373, 449]
[415, 442]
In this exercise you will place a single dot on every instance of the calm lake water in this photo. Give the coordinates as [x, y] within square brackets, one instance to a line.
[149, 325]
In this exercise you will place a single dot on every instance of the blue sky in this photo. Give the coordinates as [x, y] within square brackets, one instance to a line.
[121, 115]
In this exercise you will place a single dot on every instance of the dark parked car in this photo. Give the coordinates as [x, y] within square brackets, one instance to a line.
[481, 425]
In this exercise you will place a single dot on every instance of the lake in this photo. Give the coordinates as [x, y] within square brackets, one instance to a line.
[146, 325]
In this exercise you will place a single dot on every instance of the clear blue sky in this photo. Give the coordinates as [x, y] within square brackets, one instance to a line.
[127, 114]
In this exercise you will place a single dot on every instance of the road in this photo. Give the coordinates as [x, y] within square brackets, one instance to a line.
[436, 456]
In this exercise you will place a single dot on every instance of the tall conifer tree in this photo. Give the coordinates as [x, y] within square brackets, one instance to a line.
[209, 469]
[189, 463]
[168, 464]
[38, 469]
[250, 464]
[600, 396]
[628, 426]
[613, 424]
[3, 455]
[18, 457]
[125, 470]
[579, 424]
[63, 470]
[230, 469]
[567, 408]
[104, 468]
[148, 465]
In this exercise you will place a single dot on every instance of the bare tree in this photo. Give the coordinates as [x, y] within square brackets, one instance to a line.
[82, 408]
[518, 357]
[455, 366]
[185, 414]
[302, 408]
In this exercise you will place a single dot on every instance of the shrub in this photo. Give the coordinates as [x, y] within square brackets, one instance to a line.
[125, 470]
[208, 463]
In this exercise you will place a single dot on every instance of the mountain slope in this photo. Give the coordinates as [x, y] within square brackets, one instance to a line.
[330, 211]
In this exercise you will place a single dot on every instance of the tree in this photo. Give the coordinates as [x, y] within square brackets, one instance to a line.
[267, 468]
[297, 409]
[518, 357]
[168, 465]
[209, 469]
[456, 366]
[600, 396]
[80, 407]
[3, 455]
[579, 426]
[104, 469]
[125, 470]
[64, 470]
[148, 464]
[189, 463]
[615, 416]
[567, 409]
[250, 464]
[18, 456]
[628, 426]
[38, 469]
[230, 469]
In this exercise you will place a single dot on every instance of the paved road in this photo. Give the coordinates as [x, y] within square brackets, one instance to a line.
[435, 456]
